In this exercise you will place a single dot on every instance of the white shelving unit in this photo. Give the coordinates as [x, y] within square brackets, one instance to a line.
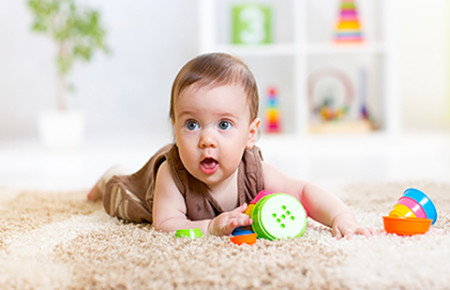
[303, 45]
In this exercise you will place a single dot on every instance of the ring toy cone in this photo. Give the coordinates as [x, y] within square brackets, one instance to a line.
[413, 214]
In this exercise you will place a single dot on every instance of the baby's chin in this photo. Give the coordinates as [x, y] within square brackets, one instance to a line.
[218, 178]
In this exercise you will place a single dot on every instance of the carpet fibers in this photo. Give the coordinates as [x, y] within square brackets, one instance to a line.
[57, 240]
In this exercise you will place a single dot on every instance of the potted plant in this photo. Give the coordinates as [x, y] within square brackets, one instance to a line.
[77, 33]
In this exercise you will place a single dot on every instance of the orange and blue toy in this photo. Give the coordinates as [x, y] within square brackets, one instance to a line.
[413, 214]
[348, 27]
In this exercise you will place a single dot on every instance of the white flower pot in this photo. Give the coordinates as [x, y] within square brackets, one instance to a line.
[61, 129]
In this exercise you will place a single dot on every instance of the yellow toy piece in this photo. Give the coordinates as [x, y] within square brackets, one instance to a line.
[249, 209]
[401, 210]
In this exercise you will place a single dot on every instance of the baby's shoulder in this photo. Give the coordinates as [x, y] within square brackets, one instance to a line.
[172, 176]
[163, 170]
[165, 179]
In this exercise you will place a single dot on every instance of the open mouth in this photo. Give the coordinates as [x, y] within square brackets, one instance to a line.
[209, 165]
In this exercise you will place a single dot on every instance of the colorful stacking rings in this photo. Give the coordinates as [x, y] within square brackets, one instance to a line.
[423, 200]
[413, 214]
[413, 205]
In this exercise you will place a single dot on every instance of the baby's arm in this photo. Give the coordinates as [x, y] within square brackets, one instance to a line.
[169, 210]
[321, 205]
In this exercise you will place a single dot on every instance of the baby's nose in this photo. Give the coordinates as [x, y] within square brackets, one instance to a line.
[207, 140]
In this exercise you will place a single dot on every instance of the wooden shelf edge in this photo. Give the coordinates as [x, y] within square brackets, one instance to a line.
[360, 126]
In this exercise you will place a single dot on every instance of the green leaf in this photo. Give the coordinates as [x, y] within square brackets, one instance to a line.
[76, 30]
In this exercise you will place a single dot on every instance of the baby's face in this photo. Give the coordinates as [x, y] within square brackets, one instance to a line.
[212, 129]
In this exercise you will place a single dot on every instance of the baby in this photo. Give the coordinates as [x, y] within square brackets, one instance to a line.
[213, 170]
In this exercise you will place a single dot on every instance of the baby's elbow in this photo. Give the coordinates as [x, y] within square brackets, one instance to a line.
[166, 225]
[160, 225]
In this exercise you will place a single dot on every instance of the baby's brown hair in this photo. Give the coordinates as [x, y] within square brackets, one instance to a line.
[216, 69]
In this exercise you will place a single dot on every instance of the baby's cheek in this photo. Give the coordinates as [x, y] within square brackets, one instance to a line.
[231, 161]
[188, 160]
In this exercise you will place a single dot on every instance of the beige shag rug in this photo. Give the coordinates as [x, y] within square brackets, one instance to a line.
[56, 240]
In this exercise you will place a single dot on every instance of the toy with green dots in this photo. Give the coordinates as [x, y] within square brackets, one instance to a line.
[275, 216]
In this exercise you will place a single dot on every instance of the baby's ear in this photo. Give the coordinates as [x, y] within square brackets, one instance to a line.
[253, 133]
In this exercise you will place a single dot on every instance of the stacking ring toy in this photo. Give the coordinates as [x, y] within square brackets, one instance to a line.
[401, 210]
[413, 214]
[415, 207]
[422, 199]
[406, 226]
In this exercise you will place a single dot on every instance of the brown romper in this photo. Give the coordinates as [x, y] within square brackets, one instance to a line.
[130, 197]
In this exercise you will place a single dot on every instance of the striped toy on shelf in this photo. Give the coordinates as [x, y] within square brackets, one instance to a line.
[348, 27]
[272, 112]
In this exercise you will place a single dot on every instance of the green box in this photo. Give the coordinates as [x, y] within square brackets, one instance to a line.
[251, 24]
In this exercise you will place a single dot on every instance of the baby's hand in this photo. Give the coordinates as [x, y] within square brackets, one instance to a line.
[345, 225]
[226, 222]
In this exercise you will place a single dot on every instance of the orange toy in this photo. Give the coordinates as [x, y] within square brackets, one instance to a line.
[244, 239]
[413, 214]
[406, 226]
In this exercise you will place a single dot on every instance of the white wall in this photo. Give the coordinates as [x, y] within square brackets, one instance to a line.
[151, 39]
[126, 91]
[423, 59]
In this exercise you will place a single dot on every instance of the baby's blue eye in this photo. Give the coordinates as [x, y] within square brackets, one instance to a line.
[191, 125]
[224, 125]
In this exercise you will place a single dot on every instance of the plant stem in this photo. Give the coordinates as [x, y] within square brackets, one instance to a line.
[61, 92]
[61, 85]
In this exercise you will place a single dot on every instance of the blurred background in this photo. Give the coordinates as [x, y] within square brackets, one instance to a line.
[372, 107]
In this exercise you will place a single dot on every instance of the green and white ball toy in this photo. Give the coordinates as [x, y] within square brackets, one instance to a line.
[278, 216]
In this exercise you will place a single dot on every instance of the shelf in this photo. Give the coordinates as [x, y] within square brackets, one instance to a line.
[287, 49]
[336, 48]
[303, 50]
[336, 127]
[259, 50]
